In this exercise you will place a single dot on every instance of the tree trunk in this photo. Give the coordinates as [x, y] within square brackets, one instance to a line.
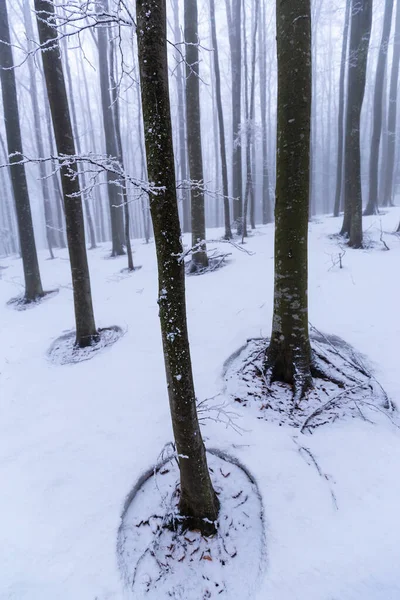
[33, 284]
[288, 356]
[360, 33]
[184, 192]
[387, 199]
[116, 214]
[221, 125]
[266, 192]
[372, 206]
[120, 155]
[199, 256]
[235, 42]
[249, 113]
[198, 501]
[341, 123]
[49, 225]
[86, 332]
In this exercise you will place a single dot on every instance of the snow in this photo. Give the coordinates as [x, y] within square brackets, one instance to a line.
[75, 438]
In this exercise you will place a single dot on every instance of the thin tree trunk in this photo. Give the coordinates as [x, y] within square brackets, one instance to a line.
[372, 206]
[199, 256]
[249, 114]
[86, 332]
[198, 501]
[360, 33]
[341, 122]
[221, 125]
[116, 211]
[387, 199]
[266, 192]
[289, 354]
[33, 284]
[120, 155]
[234, 17]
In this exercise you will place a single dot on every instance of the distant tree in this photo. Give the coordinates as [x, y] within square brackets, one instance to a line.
[120, 153]
[180, 89]
[221, 125]
[262, 61]
[341, 122]
[48, 217]
[249, 109]
[288, 356]
[86, 332]
[234, 17]
[372, 206]
[116, 210]
[387, 199]
[199, 257]
[198, 503]
[75, 129]
[33, 284]
[360, 33]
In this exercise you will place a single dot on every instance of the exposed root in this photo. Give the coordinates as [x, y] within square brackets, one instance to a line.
[341, 385]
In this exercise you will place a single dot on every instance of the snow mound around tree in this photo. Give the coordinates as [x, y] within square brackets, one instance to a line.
[156, 562]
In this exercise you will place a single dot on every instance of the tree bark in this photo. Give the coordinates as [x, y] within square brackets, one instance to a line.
[392, 115]
[33, 284]
[221, 125]
[116, 214]
[360, 33]
[198, 502]
[120, 154]
[288, 356]
[266, 192]
[86, 332]
[341, 123]
[199, 256]
[235, 42]
[48, 219]
[372, 206]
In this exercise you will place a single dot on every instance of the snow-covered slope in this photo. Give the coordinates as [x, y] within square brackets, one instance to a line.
[74, 438]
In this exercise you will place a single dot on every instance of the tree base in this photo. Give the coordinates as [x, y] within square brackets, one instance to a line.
[342, 386]
[160, 557]
[65, 350]
[24, 303]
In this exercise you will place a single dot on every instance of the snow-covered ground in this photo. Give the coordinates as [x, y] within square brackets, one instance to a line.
[75, 438]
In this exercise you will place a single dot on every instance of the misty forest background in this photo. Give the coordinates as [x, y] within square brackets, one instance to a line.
[101, 70]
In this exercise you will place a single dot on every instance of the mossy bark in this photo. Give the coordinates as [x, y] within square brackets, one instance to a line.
[86, 332]
[288, 356]
[198, 501]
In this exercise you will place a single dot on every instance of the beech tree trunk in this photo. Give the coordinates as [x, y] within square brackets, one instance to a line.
[234, 15]
[116, 208]
[199, 256]
[198, 502]
[48, 219]
[221, 125]
[33, 284]
[342, 102]
[372, 206]
[183, 167]
[360, 33]
[86, 332]
[387, 199]
[120, 154]
[288, 356]
[266, 192]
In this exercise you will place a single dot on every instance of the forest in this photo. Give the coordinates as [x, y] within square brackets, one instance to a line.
[199, 240]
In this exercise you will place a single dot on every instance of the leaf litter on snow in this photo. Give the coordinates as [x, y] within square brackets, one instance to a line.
[343, 388]
[158, 562]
